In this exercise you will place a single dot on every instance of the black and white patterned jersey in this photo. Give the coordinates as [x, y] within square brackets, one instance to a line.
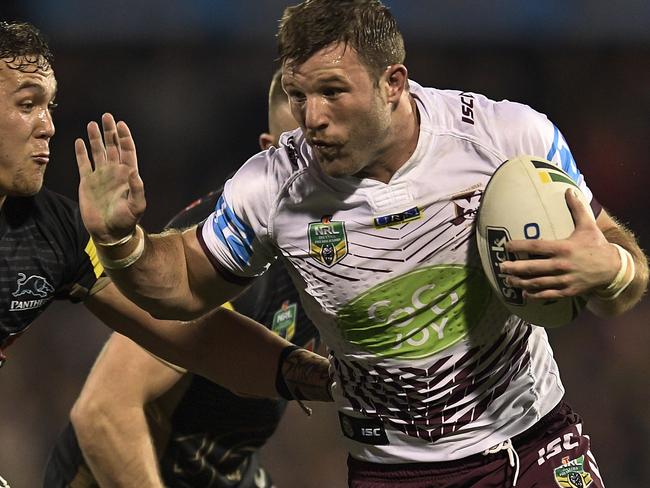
[211, 435]
[429, 366]
[45, 254]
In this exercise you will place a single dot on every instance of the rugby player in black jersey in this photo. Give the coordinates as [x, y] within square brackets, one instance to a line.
[168, 428]
[47, 254]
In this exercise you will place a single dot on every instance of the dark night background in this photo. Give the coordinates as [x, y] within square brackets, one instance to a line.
[190, 78]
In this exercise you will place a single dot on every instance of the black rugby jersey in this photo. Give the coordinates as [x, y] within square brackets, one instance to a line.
[45, 254]
[212, 434]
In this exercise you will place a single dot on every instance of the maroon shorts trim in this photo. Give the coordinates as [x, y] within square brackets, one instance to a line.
[553, 453]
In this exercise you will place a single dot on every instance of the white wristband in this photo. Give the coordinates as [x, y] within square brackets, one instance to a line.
[126, 261]
[623, 278]
[119, 242]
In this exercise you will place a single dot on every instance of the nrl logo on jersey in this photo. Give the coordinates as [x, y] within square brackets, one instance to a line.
[33, 292]
[284, 320]
[328, 242]
[572, 473]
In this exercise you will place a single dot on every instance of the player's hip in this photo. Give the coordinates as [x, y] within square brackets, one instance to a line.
[552, 453]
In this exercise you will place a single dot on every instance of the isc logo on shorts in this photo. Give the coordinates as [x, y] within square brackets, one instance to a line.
[556, 446]
[366, 431]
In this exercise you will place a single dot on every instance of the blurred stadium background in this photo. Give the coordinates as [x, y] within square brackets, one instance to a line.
[191, 79]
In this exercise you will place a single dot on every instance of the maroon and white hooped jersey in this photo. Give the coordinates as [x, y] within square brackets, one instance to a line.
[429, 366]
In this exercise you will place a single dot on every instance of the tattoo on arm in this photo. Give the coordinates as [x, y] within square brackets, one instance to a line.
[303, 375]
[307, 376]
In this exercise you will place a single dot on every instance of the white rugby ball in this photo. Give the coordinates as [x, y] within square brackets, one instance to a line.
[525, 199]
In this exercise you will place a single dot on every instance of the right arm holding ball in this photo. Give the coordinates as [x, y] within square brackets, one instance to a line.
[601, 260]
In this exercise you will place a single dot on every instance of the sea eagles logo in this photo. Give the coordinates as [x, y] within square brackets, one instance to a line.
[466, 206]
[33, 291]
[572, 474]
[328, 243]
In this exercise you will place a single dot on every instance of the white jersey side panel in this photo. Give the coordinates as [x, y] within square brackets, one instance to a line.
[429, 366]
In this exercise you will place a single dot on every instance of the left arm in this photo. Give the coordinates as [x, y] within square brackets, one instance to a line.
[109, 416]
[224, 346]
[586, 263]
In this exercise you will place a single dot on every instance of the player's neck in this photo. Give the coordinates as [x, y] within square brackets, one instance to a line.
[401, 142]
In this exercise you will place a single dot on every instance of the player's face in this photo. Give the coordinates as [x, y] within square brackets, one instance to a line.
[342, 110]
[26, 126]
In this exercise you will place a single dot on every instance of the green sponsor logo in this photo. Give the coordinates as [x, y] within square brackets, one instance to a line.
[284, 321]
[417, 314]
[572, 474]
[328, 243]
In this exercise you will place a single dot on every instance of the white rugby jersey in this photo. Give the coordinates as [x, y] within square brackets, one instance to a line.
[429, 366]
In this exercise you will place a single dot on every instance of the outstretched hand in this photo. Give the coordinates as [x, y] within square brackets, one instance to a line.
[111, 196]
[573, 266]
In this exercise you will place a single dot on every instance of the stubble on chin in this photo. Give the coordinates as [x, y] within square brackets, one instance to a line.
[26, 184]
[335, 167]
[331, 168]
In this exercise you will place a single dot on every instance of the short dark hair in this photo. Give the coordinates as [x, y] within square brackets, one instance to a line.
[365, 25]
[21, 41]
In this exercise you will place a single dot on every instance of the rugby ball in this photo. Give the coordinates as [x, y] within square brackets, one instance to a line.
[524, 199]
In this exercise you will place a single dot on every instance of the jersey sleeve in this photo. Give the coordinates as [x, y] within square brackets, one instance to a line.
[235, 235]
[87, 275]
[530, 132]
[83, 273]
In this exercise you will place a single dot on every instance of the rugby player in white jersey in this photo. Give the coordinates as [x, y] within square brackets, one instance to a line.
[371, 205]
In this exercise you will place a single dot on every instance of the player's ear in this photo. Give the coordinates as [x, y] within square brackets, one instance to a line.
[396, 79]
[266, 140]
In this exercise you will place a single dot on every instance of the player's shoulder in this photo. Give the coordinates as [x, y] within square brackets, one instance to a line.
[49, 197]
[50, 205]
[477, 114]
[50, 214]
[289, 157]
[503, 127]
[269, 171]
